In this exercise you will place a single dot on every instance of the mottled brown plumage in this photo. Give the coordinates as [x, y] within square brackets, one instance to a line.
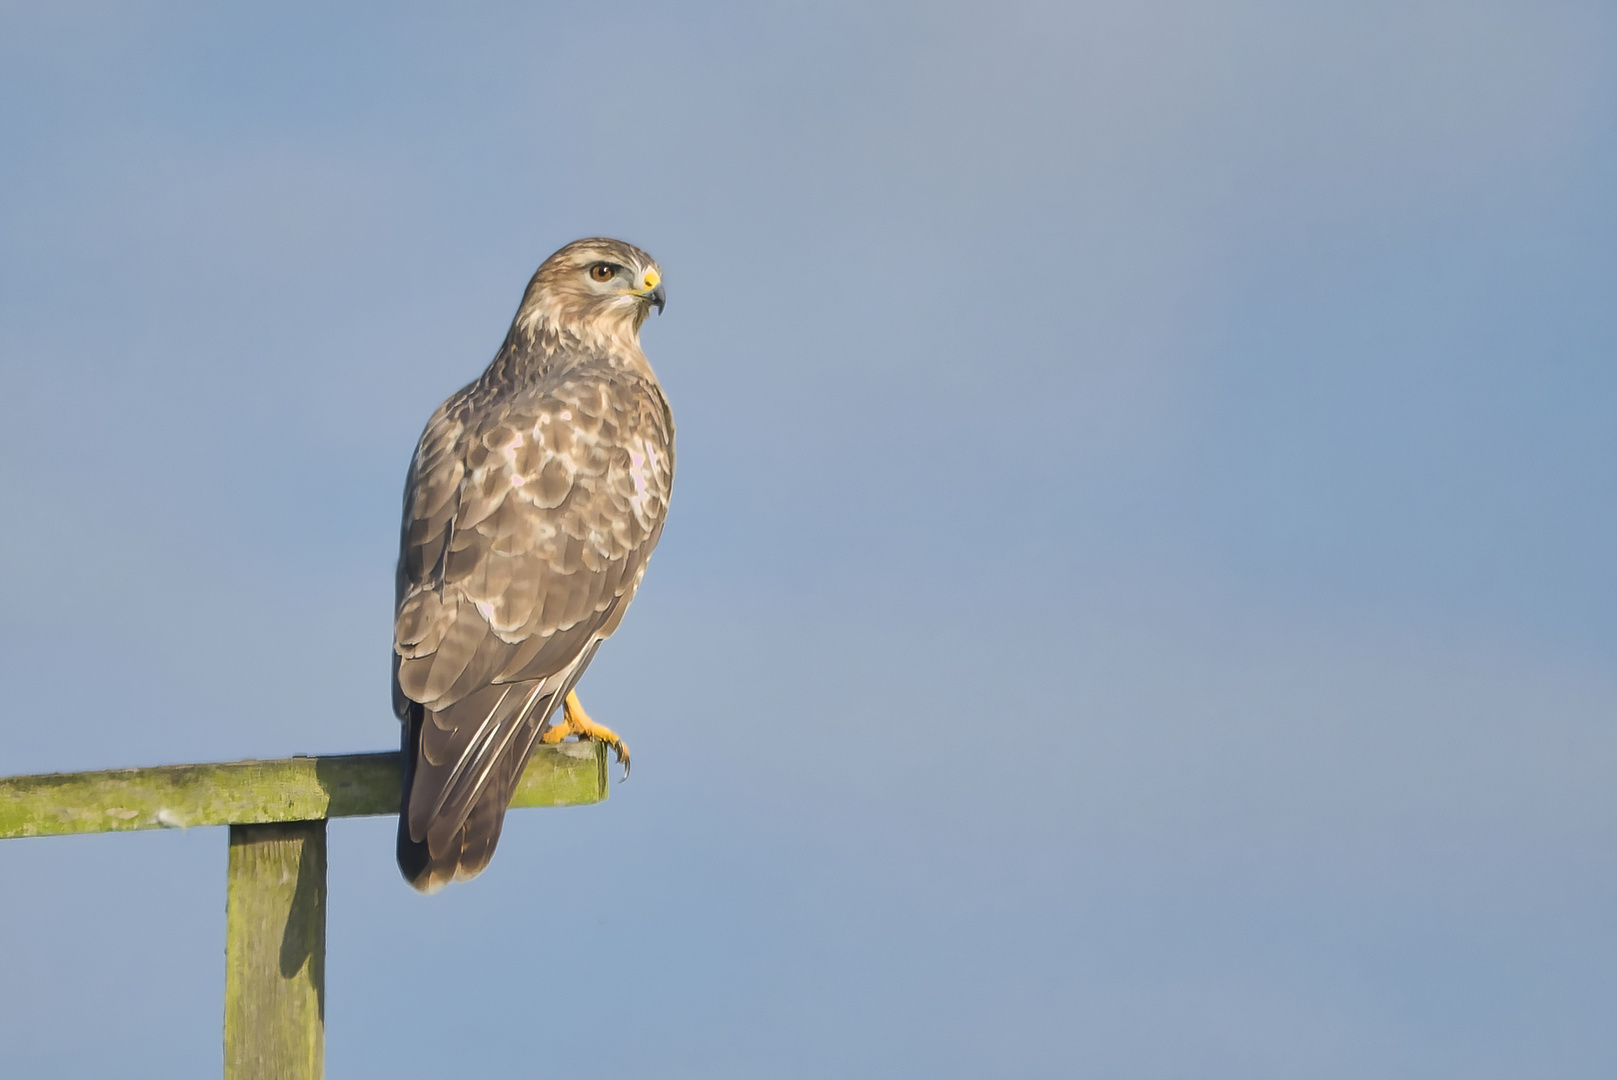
[532, 504]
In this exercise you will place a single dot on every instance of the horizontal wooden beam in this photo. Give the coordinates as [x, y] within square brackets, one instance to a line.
[259, 792]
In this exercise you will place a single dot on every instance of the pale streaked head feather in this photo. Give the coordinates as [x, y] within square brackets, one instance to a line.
[563, 301]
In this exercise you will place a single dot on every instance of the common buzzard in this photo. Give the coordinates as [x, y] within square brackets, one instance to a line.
[532, 504]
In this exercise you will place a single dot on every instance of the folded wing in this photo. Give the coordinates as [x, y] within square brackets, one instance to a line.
[528, 521]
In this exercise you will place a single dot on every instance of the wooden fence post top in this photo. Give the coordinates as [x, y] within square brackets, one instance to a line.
[259, 792]
[275, 923]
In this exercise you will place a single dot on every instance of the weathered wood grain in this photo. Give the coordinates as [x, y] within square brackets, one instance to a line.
[261, 792]
[275, 952]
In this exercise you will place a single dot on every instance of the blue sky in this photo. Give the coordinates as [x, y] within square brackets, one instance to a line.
[1138, 598]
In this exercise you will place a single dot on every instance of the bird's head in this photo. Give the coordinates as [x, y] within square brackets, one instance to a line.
[594, 289]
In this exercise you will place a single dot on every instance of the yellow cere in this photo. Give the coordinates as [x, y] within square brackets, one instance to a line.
[651, 279]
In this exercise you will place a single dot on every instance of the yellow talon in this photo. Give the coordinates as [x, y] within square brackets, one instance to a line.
[575, 721]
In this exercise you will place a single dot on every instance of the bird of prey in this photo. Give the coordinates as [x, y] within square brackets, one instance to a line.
[532, 504]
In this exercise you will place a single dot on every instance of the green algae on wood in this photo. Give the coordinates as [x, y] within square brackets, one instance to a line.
[275, 952]
[261, 792]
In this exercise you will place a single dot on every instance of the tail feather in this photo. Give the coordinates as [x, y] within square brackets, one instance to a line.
[460, 767]
[457, 842]
[469, 848]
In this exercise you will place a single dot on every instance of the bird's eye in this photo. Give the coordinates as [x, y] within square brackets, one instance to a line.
[602, 271]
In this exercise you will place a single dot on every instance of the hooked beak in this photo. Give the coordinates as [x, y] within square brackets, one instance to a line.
[658, 297]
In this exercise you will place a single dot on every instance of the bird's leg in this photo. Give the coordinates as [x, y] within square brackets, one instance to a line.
[575, 721]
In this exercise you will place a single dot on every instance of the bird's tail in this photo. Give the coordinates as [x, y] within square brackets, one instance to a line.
[416, 862]
[450, 814]
[461, 764]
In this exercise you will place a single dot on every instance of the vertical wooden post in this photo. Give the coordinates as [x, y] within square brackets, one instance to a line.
[275, 926]
[275, 952]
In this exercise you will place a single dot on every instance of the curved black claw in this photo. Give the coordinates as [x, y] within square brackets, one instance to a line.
[622, 752]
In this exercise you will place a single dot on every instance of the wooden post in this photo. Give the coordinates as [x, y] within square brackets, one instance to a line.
[259, 792]
[275, 952]
[275, 898]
